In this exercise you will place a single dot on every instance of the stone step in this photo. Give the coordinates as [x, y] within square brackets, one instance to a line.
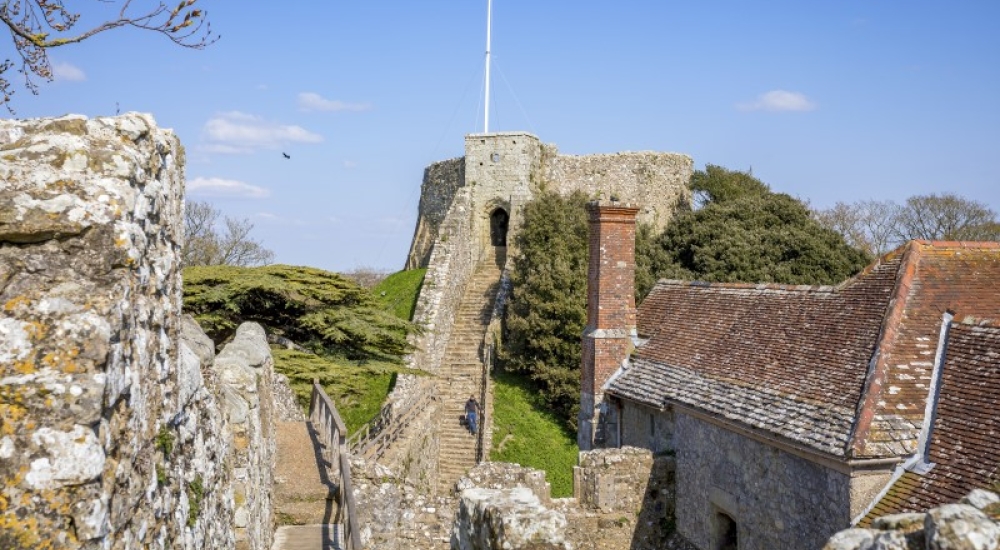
[306, 512]
[307, 537]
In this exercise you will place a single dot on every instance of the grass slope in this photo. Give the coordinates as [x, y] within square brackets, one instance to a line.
[398, 292]
[526, 433]
[357, 390]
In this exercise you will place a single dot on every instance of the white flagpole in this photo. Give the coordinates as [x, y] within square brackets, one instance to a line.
[489, 24]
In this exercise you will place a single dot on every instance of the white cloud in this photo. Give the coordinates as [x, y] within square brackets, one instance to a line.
[235, 132]
[309, 101]
[779, 100]
[350, 164]
[63, 71]
[219, 187]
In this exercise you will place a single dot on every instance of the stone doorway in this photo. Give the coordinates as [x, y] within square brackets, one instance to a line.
[499, 220]
[726, 532]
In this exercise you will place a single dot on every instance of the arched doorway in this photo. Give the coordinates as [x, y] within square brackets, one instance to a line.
[498, 227]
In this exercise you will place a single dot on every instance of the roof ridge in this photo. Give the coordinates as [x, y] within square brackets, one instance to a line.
[957, 244]
[868, 404]
[744, 286]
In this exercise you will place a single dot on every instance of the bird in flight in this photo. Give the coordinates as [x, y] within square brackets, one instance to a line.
[286, 155]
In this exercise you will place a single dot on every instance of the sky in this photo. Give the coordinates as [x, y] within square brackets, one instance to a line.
[827, 101]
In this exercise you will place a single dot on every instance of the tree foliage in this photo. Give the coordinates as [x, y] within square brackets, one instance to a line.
[746, 233]
[547, 310]
[880, 226]
[38, 25]
[205, 245]
[317, 309]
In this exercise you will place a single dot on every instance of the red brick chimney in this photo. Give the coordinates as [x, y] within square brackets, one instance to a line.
[607, 339]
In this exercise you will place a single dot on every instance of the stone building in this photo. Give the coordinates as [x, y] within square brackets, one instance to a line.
[501, 172]
[792, 411]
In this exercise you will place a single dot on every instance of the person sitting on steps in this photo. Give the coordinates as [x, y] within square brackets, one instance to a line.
[471, 409]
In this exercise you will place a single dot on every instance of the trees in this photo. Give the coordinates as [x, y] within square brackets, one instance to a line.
[744, 232]
[319, 310]
[880, 226]
[548, 309]
[204, 245]
[38, 25]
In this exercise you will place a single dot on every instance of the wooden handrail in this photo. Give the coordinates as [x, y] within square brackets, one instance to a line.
[373, 439]
[329, 425]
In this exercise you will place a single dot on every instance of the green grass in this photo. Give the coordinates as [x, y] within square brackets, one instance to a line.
[526, 433]
[398, 292]
[357, 390]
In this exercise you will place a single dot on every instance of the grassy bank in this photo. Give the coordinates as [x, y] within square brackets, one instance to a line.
[357, 390]
[524, 432]
[398, 292]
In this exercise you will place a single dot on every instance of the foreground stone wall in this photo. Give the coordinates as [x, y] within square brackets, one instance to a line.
[111, 433]
[972, 524]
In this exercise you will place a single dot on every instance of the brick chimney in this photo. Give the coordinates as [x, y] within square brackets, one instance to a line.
[607, 339]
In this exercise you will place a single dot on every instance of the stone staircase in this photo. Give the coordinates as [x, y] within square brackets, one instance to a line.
[304, 496]
[461, 373]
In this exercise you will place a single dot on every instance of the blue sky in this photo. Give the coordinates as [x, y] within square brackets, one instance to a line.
[827, 101]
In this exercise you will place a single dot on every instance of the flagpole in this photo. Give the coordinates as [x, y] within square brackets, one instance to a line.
[489, 24]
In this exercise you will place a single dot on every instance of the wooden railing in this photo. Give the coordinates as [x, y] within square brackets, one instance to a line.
[375, 437]
[333, 435]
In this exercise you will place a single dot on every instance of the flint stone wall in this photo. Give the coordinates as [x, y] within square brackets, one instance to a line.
[972, 524]
[111, 433]
[778, 500]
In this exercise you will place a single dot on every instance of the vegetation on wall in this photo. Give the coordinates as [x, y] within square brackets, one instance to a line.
[744, 232]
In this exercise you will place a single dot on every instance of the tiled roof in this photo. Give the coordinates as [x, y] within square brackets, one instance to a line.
[965, 437]
[938, 277]
[811, 349]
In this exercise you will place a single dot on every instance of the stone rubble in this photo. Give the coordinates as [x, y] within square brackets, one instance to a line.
[971, 524]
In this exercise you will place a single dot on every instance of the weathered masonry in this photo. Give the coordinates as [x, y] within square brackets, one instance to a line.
[119, 428]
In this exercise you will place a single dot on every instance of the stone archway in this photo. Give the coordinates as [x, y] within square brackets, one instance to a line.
[499, 220]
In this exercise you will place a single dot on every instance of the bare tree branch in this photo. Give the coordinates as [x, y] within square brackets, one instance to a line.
[204, 245]
[38, 25]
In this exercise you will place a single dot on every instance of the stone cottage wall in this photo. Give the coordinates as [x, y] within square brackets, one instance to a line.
[111, 433]
[777, 500]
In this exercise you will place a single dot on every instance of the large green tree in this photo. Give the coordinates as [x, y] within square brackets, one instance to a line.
[318, 310]
[746, 232]
[548, 309]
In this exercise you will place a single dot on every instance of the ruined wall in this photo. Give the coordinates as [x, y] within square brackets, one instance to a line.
[245, 370]
[111, 433]
[777, 500]
[441, 182]
[655, 181]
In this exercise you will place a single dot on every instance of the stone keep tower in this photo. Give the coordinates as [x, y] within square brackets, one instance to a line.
[611, 326]
[501, 172]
